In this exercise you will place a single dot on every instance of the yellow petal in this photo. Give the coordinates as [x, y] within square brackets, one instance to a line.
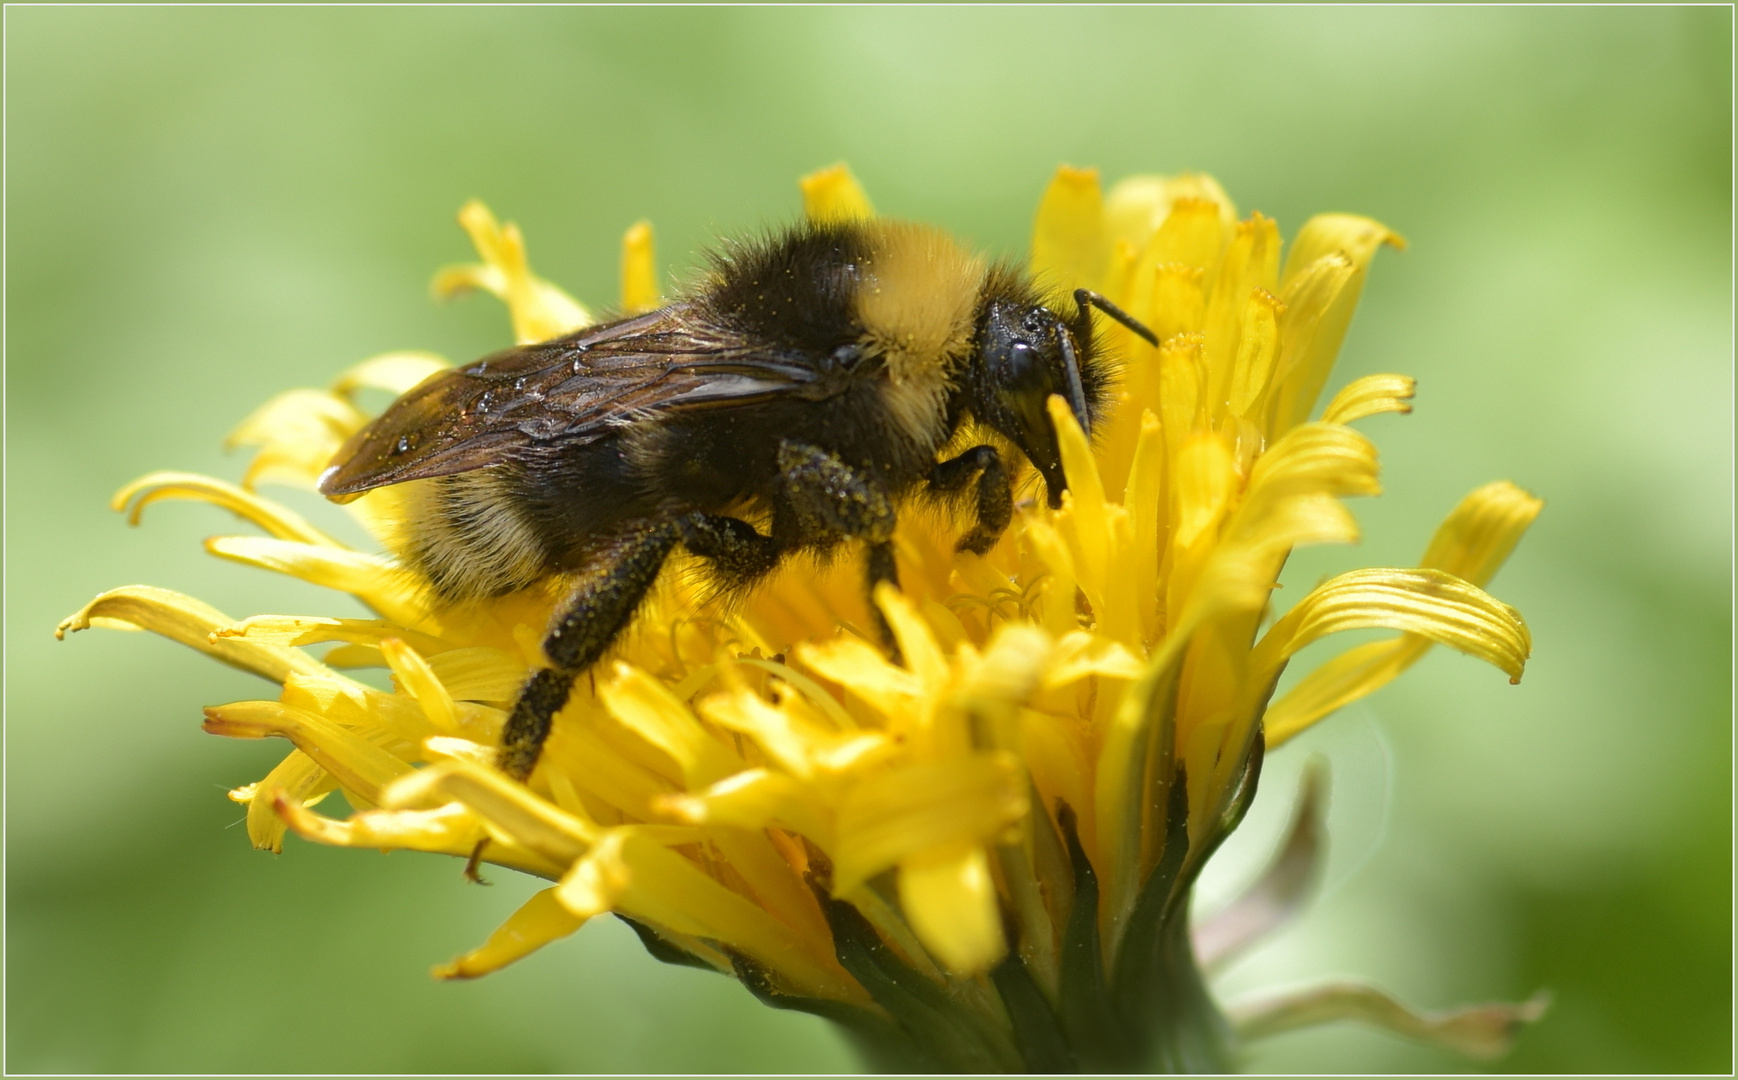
[1324, 275]
[192, 623]
[297, 433]
[892, 815]
[1355, 673]
[629, 873]
[1317, 458]
[297, 778]
[753, 799]
[374, 580]
[639, 270]
[1478, 536]
[414, 677]
[922, 653]
[362, 767]
[479, 673]
[1357, 236]
[648, 708]
[1204, 479]
[539, 310]
[833, 194]
[446, 830]
[1250, 265]
[784, 739]
[1257, 352]
[540, 921]
[505, 807]
[1371, 395]
[861, 670]
[1193, 233]
[1080, 654]
[1138, 205]
[949, 896]
[1070, 247]
[315, 629]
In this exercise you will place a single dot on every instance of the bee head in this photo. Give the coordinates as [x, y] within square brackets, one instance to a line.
[1026, 353]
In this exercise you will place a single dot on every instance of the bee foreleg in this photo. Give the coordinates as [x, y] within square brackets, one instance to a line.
[995, 496]
[739, 553]
[595, 614]
[833, 498]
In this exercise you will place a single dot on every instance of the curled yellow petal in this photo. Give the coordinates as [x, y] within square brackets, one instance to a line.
[1371, 395]
[449, 830]
[1325, 458]
[315, 629]
[1471, 544]
[1429, 603]
[280, 521]
[833, 194]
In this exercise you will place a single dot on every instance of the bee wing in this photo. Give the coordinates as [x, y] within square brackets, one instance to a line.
[574, 389]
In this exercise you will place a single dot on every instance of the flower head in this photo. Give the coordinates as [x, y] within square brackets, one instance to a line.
[977, 857]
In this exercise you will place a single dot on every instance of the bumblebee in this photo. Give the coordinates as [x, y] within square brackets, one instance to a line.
[811, 382]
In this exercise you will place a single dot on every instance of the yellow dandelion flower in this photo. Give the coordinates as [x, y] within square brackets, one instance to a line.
[978, 856]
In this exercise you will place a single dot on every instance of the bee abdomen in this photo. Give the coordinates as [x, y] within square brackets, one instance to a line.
[469, 536]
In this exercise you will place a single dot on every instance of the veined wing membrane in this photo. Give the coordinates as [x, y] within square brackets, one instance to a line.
[573, 389]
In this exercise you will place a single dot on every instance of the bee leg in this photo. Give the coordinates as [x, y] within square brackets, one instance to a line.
[594, 615]
[995, 495]
[739, 554]
[832, 498]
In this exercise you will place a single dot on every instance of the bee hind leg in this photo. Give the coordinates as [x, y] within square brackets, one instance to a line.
[737, 552]
[594, 615]
[995, 496]
[834, 499]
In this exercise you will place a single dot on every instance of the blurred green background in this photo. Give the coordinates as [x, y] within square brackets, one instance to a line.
[205, 206]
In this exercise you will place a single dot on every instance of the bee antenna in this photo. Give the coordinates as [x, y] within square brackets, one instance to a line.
[1086, 299]
[1076, 388]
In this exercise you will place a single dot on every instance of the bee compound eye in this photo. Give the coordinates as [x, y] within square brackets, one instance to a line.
[1020, 365]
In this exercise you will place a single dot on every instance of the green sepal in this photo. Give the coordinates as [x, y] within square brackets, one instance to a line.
[1088, 1016]
[932, 1021]
[1037, 1028]
[877, 1037]
[662, 950]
